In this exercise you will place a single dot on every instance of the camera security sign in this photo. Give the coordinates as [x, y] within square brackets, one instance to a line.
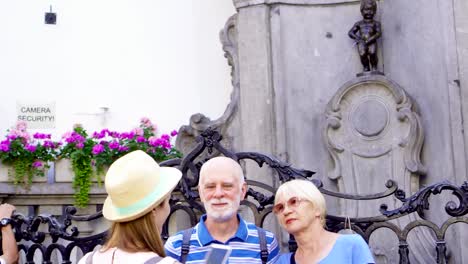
[36, 115]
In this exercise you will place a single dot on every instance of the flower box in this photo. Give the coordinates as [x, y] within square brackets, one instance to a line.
[4, 177]
[63, 172]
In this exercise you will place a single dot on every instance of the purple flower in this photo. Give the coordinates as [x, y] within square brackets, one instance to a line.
[123, 148]
[49, 144]
[97, 149]
[4, 147]
[166, 145]
[154, 141]
[96, 135]
[79, 145]
[114, 134]
[37, 164]
[41, 136]
[141, 139]
[12, 137]
[174, 133]
[123, 135]
[31, 148]
[165, 136]
[114, 145]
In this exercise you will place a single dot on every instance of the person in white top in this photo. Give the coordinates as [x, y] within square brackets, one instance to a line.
[137, 206]
[10, 249]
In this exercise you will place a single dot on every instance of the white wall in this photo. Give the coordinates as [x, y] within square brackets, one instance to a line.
[153, 58]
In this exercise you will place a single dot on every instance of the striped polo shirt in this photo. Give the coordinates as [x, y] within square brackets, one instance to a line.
[245, 244]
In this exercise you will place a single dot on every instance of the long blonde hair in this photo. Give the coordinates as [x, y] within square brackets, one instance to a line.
[138, 235]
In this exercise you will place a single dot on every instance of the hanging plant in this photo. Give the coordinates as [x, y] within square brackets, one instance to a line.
[27, 155]
[78, 149]
[90, 156]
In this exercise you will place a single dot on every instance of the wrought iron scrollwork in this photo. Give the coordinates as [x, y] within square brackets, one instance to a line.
[64, 236]
[420, 200]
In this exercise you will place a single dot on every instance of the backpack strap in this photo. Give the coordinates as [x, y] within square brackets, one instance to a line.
[185, 249]
[263, 245]
[153, 260]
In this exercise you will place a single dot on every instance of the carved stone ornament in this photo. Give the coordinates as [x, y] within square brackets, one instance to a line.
[199, 122]
[374, 134]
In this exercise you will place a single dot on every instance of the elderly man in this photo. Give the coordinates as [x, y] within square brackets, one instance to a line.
[221, 188]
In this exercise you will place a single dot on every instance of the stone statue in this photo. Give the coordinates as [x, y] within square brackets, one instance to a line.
[366, 32]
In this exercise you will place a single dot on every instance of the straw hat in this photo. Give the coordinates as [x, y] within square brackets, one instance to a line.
[135, 184]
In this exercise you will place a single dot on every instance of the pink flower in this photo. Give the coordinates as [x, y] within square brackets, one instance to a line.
[21, 126]
[174, 133]
[37, 164]
[145, 121]
[67, 134]
[79, 145]
[138, 131]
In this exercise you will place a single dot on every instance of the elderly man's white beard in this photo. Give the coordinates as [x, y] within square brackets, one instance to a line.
[224, 214]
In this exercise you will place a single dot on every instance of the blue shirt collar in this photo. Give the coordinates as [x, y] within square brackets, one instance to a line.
[205, 237]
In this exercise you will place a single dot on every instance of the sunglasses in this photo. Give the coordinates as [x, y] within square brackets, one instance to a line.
[293, 202]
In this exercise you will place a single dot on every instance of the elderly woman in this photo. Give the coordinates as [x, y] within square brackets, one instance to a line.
[300, 209]
[137, 205]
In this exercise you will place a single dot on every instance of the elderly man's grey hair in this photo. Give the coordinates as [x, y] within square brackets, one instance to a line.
[225, 163]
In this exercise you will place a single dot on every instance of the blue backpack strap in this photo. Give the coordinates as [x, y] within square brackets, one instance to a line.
[263, 245]
[185, 249]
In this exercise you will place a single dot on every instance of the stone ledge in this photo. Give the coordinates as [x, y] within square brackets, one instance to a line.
[246, 3]
[48, 189]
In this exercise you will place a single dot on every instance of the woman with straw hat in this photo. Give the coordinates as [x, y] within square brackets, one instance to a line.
[137, 206]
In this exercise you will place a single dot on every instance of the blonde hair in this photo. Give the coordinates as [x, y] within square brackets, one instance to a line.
[138, 235]
[306, 190]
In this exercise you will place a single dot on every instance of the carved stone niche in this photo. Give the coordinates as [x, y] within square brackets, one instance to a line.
[373, 134]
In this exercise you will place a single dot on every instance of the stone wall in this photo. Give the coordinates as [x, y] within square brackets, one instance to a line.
[292, 58]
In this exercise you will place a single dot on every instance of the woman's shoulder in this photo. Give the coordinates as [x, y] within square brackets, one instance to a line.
[351, 239]
[168, 260]
[124, 257]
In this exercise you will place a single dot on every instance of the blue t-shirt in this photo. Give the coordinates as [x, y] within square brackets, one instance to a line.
[348, 249]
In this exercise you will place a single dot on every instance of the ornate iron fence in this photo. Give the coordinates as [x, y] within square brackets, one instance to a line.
[65, 236]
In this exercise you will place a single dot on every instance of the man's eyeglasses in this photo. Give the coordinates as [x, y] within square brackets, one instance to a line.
[293, 202]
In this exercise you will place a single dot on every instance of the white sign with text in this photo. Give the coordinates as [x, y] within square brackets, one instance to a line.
[36, 115]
